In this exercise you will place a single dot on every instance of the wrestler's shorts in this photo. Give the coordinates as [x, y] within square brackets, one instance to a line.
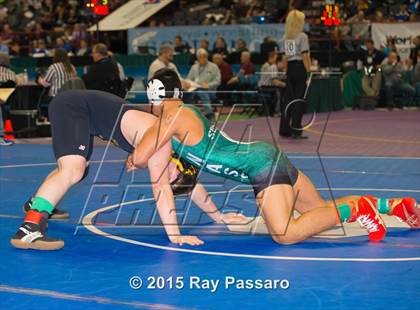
[70, 127]
[270, 167]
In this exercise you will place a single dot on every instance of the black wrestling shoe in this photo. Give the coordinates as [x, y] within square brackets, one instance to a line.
[299, 137]
[32, 236]
[55, 215]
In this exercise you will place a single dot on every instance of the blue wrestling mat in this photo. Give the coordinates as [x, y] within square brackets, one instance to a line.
[118, 257]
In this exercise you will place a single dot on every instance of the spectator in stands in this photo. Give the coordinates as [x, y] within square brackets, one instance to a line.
[225, 70]
[378, 17]
[415, 50]
[60, 43]
[372, 78]
[241, 9]
[280, 80]
[393, 72]
[121, 72]
[359, 30]
[39, 32]
[7, 76]
[225, 75]
[15, 49]
[164, 60]
[220, 48]
[389, 46]
[7, 35]
[104, 73]
[268, 71]
[84, 49]
[416, 78]
[372, 56]
[204, 44]
[58, 73]
[268, 83]
[78, 35]
[402, 15]
[181, 47]
[4, 48]
[246, 78]
[241, 46]
[268, 45]
[207, 75]
[40, 49]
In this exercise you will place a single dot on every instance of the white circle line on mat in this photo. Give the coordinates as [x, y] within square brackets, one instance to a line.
[290, 156]
[88, 223]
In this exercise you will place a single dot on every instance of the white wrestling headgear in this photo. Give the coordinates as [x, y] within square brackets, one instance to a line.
[165, 83]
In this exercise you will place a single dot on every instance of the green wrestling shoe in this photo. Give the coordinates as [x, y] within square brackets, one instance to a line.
[56, 215]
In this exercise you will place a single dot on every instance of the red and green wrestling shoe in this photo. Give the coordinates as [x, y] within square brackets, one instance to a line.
[369, 218]
[57, 214]
[405, 209]
[31, 234]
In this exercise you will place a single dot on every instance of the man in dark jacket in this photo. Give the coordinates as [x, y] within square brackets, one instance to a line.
[104, 73]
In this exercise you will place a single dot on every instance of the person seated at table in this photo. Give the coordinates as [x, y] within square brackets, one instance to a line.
[58, 73]
[246, 78]
[270, 82]
[393, 71]
[372, 79]
[207, 75]
[104, 73]
[7, 76]
[268, 71]
[225, 75]
[165, 60]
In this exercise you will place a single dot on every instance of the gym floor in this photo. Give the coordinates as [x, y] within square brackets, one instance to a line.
[114, 235]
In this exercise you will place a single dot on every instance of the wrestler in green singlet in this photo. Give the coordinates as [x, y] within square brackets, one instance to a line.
[257, 163]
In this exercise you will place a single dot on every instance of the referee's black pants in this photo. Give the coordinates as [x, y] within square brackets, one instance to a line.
[291, 121]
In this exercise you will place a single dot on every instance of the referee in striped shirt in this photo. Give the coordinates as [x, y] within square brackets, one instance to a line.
[59, 72]
[5, 73]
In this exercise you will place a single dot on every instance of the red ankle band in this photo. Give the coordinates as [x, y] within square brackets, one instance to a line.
[33, 217]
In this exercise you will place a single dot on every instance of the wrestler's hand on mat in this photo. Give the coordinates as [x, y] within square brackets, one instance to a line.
[233, 218]
[130, 164]
[191, 240]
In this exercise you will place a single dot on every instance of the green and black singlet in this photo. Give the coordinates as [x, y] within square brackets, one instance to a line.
[258, 163]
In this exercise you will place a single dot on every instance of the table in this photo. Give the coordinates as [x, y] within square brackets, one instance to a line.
[325, 94]
[22, 106]
[5, 93]
[25, 97]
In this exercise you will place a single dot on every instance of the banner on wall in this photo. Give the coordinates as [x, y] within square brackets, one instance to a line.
[130, 15]
[403, 33]
[252, 34]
